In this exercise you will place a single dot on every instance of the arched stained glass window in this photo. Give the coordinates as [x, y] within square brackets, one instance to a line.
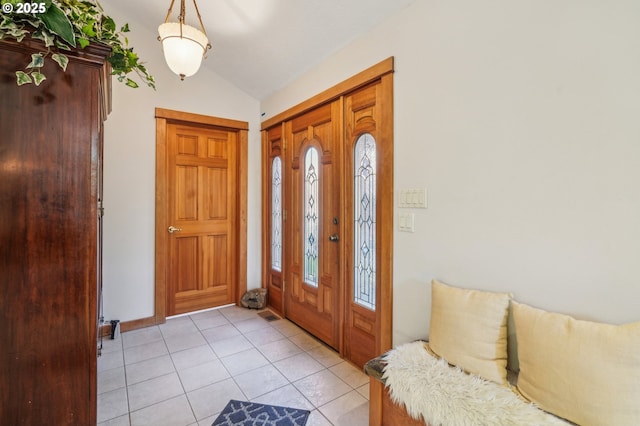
[276, 214]
[311, 216]
[364, 210]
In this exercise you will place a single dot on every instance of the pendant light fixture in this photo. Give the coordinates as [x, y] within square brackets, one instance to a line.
[184, 46]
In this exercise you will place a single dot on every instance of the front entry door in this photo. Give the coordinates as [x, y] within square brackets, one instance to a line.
[201, 192]
[328, 214]
[312, 290]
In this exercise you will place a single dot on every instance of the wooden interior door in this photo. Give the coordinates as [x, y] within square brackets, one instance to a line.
[312, 290]
[202, 191]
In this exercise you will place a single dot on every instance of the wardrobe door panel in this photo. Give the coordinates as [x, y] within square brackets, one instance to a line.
[50, 144]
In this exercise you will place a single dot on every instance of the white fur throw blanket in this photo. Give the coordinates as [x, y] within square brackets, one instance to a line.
[443, 395]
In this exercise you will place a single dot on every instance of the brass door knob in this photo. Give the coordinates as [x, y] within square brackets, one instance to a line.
[173, 229]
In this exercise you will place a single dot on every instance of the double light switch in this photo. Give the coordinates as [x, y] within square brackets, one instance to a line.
[410, 199]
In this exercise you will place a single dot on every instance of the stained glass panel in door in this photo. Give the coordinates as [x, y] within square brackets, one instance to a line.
[311, 217]
[276, 214]
[364, 247]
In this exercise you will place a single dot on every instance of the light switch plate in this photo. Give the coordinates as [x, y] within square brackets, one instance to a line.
[406, 222]
[413, 198]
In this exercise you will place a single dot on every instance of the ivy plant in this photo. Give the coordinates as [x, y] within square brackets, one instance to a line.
[63, 25]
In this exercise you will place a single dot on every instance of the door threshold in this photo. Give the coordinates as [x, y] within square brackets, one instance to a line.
[201, 311]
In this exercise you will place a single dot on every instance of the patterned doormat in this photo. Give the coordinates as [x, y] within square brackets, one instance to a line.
[268, 315]
[243, 413]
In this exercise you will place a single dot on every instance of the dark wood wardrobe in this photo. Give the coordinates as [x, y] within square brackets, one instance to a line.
[50, 191]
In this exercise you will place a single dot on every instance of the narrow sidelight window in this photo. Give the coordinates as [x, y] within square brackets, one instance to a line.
[276, 214]
[364, 209]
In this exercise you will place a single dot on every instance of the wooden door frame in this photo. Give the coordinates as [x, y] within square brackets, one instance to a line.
[380, 71]
[164, 117]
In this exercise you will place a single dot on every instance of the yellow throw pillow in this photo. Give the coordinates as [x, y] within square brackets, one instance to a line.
[583, 371]
[469, 329]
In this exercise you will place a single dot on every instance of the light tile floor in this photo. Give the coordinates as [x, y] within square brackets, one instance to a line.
[183, 372]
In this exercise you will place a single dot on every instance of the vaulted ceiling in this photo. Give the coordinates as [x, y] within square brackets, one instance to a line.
[262, 45]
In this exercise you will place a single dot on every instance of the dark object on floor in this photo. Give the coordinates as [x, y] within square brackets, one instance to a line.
[268, 315]
[114, 328]
[243, 413]
[255, 298]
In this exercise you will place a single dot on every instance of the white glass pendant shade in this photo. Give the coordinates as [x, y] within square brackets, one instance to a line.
[184, 47]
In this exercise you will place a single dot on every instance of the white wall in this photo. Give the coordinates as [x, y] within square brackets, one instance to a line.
[521, 119]
[129, 171]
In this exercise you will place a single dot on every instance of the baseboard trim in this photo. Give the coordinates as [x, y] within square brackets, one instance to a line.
[105, 329]
[139, 323]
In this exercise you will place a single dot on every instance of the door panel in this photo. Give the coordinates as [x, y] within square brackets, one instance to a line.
[186, 263]
[368, 199]
[313, 292]
[216, 202]
[360, 324]
[273, 218]
[186, 193]
[201, 205]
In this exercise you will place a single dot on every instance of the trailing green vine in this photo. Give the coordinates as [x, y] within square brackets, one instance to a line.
[63, 25]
